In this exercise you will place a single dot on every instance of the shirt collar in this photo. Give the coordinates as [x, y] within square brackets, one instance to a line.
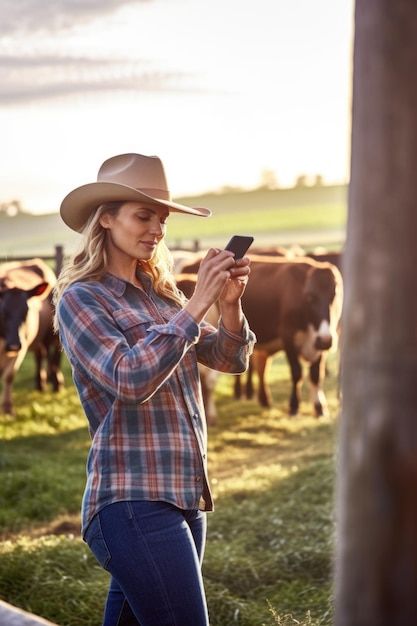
[118, 285]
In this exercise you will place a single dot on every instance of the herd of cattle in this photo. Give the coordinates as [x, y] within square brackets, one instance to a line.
[293, 304]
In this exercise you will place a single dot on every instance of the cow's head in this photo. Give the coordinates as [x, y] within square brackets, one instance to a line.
[13, 313]
[319, 294]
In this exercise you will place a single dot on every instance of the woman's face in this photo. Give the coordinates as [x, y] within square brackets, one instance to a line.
[135, 230]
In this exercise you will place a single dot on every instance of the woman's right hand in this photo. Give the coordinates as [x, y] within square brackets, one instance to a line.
[213, 274]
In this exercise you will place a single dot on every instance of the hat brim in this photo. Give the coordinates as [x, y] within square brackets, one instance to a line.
[79, 204]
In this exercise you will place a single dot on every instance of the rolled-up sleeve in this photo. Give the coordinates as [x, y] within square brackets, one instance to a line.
[225, 351]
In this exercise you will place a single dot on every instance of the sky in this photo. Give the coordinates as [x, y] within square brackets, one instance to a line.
[223, 91]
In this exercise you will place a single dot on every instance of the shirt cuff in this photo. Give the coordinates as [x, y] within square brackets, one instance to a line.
[245, 336]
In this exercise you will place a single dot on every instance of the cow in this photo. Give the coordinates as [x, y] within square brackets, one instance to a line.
[292, 305]
[47, 349]
[332, 256]
[182, 257]
[26, 323]
[269, 251]
[208, 377]
[189, 262]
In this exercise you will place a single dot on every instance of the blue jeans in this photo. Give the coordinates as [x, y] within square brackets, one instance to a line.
[153, 551]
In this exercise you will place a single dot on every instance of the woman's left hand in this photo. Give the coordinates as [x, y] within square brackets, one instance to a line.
[235, 285]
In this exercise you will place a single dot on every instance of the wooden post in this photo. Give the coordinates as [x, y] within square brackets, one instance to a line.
[13, 616]
[59, 257]
[376, 547]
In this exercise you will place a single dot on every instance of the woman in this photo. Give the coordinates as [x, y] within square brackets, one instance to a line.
[133, 342]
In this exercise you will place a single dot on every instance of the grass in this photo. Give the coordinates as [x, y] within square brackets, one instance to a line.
[262, 221]
[269, 552]
[305, 216]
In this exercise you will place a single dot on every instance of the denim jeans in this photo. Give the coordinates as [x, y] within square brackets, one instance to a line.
[153, 551]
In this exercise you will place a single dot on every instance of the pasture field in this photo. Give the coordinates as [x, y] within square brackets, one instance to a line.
[308, 217]
[269, 551]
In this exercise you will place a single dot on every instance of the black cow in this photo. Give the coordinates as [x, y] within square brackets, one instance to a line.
[292, 305]
[26, 323]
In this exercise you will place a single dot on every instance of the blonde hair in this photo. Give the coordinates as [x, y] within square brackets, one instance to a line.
[90, 262]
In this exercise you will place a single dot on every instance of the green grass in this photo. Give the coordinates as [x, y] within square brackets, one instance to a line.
[305, 216]
[263, 222]
[269, 551]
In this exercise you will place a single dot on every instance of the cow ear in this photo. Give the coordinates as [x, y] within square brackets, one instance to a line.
[38, 290]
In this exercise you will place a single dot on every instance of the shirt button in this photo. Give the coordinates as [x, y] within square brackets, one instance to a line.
[198, 479]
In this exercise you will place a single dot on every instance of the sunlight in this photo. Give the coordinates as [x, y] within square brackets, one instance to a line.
[219, 91]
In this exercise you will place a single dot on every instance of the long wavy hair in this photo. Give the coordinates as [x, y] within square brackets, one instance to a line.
[90, 263]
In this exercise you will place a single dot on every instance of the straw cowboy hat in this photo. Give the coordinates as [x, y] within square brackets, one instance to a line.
[126, 178]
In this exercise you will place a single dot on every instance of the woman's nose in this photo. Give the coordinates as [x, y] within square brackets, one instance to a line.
[157, 228]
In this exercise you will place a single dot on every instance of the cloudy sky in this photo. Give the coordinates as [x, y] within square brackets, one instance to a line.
[221, 90]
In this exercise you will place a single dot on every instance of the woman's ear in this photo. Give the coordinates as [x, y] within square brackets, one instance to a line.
[105, 220]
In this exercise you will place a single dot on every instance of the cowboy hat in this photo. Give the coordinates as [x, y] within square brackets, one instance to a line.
[126, 178]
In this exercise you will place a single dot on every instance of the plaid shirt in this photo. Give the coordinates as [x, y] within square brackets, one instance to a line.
[134, 361]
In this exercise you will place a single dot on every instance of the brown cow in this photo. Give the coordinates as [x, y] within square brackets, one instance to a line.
[181, 257]
[25, 322]
[293, 305]
[47, 350]
[208, 377]
[189, 263]
[331, 256]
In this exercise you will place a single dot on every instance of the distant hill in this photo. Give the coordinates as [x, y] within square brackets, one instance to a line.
[269, 214]
[228, 200]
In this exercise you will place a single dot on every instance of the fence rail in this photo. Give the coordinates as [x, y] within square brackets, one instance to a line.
[57, 258]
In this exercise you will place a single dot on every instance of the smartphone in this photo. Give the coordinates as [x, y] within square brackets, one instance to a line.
[239, 245]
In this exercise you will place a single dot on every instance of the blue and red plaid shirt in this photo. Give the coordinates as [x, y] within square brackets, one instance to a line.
[134, 361]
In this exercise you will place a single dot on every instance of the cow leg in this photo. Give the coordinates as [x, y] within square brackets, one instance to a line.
[296, 380]
[261, 364]
[7, 401]
[55, 376]
[318, 398]
[7, 372]
[250, 389]
[208, 379]
[237, 387]
[40, 373]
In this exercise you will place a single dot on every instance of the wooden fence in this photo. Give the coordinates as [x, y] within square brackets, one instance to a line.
[58, 257]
